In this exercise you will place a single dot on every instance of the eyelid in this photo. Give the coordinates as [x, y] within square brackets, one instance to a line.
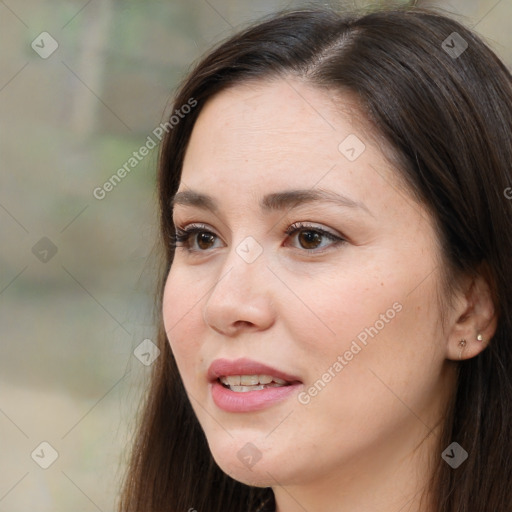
[194, 227]
[296, 226]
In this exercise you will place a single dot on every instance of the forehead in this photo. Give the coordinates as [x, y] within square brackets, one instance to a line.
[272, 125]
[256, 138]
[270, 118]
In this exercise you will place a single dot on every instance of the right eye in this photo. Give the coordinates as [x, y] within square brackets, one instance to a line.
[193, 234]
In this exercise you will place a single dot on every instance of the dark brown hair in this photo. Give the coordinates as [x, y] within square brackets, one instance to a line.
[447, 120]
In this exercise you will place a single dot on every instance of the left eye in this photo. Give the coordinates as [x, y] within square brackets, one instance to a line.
[310, 237]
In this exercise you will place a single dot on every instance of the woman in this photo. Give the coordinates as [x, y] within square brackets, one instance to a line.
[335, 307]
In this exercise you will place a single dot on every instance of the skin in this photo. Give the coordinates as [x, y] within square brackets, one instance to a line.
[366, 441]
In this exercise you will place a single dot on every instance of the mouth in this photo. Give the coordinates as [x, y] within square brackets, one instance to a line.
[244, 385]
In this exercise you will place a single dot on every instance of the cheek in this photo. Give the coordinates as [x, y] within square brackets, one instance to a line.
[182, 318]
[378, 328]
[339, 307]
[379, 298]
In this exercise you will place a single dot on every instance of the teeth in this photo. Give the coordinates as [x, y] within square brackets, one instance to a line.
[251, 382]
[232, 380]
[244, 389]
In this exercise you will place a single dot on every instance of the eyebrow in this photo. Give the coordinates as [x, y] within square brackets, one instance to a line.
[271, 202]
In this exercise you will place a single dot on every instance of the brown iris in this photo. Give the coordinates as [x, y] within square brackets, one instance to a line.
[310, 237]
[205, 238]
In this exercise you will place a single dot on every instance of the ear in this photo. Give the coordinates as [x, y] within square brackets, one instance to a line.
[475, 315]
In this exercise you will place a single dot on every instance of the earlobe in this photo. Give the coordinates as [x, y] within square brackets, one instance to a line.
[476, 323]
[462, 345]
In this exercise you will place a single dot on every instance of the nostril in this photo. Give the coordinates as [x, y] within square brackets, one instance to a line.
[243, 323]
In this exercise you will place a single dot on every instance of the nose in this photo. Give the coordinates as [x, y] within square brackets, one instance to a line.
[241, 298]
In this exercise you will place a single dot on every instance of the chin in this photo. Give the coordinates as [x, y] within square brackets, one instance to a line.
[246, 464]
[255, 476]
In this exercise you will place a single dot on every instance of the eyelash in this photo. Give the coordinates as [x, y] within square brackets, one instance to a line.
[182, 236]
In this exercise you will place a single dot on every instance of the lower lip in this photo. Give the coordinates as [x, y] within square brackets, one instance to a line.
[233, 401]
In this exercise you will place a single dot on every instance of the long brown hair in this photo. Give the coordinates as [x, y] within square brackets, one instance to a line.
[445, 112]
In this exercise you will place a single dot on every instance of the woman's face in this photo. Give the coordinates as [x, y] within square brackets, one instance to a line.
[343, 306]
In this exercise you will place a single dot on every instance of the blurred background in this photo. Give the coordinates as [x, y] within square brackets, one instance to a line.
[82, 86]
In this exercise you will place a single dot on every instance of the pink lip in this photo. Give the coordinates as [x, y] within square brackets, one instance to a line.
[243, 366]
[232, 401]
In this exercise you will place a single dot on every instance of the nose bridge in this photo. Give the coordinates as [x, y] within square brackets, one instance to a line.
[241, 294]
[243, 268]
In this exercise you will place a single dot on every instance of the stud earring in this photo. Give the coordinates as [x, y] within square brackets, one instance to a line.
[462, 344]
[480, 338]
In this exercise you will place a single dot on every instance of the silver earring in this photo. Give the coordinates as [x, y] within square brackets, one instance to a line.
[462, 344]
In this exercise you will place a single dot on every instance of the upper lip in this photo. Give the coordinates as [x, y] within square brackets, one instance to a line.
[243, 366]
